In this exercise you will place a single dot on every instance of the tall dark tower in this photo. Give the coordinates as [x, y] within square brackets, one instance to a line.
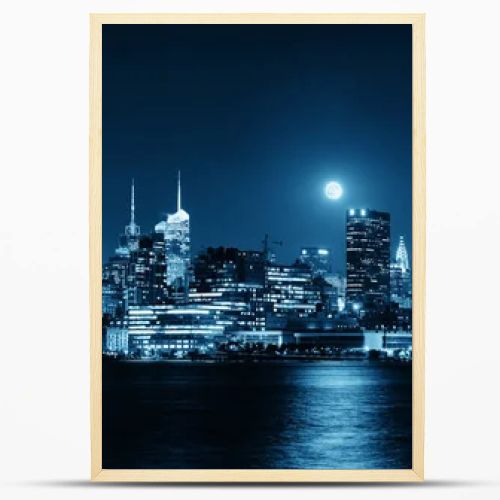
[368, 260]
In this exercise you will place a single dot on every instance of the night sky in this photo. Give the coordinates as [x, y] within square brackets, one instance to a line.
[257, 118]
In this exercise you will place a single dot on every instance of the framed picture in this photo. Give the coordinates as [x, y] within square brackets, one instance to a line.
[257, 247]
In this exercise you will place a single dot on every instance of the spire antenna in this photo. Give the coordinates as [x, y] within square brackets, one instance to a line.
[132, 205]
[178, 190]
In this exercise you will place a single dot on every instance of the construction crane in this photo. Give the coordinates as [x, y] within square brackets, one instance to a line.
[267, 247]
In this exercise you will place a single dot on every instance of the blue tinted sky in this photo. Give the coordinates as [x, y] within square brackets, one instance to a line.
[258, 118]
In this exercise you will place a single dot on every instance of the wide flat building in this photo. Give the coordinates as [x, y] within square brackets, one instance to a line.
[163, 329]
[368, 260]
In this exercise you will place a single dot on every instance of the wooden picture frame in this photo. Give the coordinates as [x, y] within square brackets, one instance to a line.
[418, 224]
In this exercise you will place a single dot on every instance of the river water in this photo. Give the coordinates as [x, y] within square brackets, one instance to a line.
[267, 415]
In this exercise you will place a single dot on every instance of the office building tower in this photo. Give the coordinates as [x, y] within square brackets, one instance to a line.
[114, 286]
[401, 278]
[367, 260]
[159, 275]
[402, 255]
[140, 275]
[129, 241]
[178, 245]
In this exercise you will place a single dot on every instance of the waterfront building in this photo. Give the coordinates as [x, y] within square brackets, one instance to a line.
[115, 341]
[161, 330]
[264, 338]
[318, 259]
[368, 260]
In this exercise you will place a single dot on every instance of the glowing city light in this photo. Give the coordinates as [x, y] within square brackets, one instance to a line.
[333, 190]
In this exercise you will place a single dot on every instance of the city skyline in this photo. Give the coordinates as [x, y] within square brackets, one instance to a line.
[157, 269]
[132, 228]
[314, 125]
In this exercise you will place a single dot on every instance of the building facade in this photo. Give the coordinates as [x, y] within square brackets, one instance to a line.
[318, 259]
[401, 278]
[367, 261]
[289, 292]
[178, 245]
[156, 331]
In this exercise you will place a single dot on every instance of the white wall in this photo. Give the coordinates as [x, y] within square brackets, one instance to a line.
[44, 450]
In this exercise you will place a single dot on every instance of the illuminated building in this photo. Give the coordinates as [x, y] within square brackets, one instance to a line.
[178, 245]
[159, 275]
[163, 329]
[318, 259]
[129, 241]
[401, 278]
[367, 259]
[338, 282]
[233, 278]
[289, 293]
[115, 272]
[115, 341]
[146, 272]
[402, 255]
[114, 285]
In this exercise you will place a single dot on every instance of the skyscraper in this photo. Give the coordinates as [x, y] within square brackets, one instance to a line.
[178, 244]
[402, 255]
[401, 282]
[368, 260]
[115, 273]
[130, 239]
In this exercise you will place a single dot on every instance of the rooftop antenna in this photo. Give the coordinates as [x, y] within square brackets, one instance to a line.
[132, 205]
[178, 190]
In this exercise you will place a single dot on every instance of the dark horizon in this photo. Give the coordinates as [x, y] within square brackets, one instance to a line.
[258, 118]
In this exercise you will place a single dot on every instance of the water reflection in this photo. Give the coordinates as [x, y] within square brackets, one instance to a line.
[332, 415]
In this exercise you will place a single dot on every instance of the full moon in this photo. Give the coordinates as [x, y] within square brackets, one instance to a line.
[333, 190]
